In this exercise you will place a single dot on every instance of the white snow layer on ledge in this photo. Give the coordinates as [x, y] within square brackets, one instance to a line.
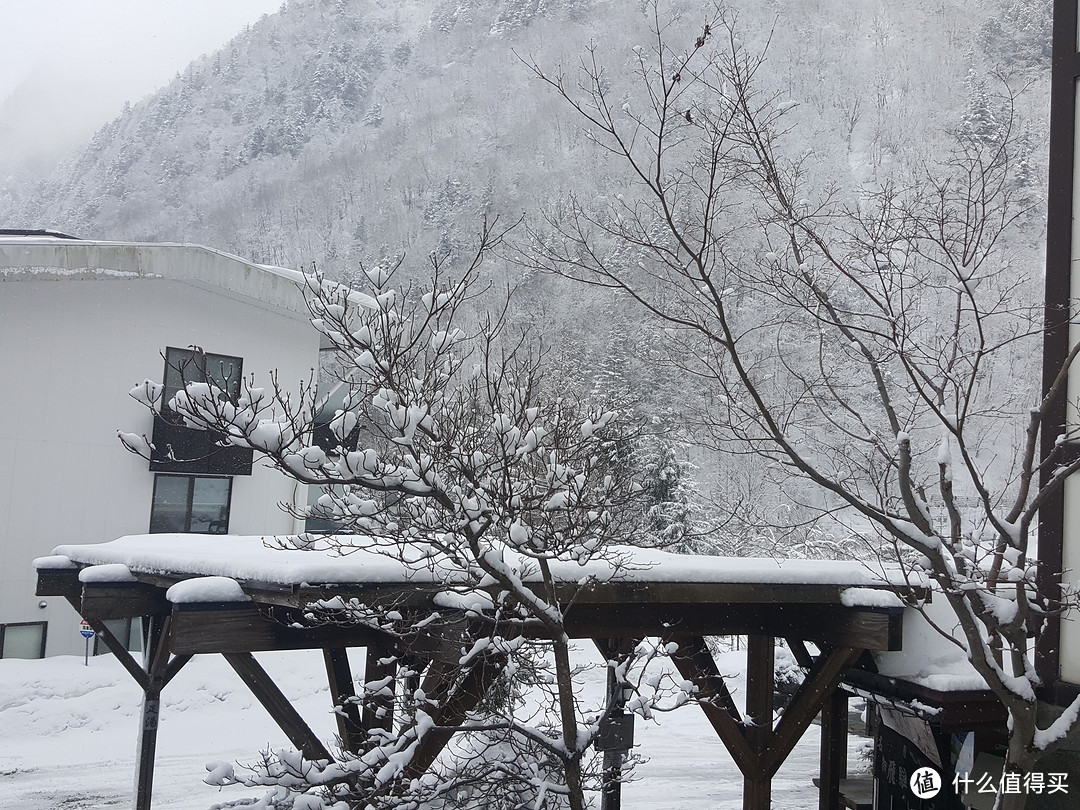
[870, 597]
[206, 589]
[72, 272]
[251, 559]
[928, 658]
[109, 572]
[53, 563]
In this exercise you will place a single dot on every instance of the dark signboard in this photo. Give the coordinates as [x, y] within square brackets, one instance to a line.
[899, 759]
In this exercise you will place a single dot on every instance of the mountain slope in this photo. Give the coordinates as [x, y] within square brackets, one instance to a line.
[340, 129]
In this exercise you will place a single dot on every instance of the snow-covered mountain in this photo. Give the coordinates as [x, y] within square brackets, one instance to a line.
[344, 130]
[340, 129]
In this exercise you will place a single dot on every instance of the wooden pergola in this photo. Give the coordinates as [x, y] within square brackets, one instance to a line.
[612, 614]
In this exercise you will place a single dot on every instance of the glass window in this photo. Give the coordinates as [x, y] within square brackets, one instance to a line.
[183, 366]
[189, 503]
[25, 640]
[210, 505]
[127, 631]
[170, 510]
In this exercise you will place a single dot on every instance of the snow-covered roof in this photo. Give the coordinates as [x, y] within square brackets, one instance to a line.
[45, 258]
[255, 559]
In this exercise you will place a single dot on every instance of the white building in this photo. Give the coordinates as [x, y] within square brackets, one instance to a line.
[1058, 650]
[81, 323]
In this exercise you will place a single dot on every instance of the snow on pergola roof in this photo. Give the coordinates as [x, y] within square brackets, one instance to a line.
[257, 559]
[255, 563]
[234, 596]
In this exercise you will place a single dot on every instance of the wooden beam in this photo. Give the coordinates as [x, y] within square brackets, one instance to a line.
[823, 624]
[710, 682]
[959, 710]
[618, 592]
[760, 691]
[157, 670]
[624, 592]
[123, 655]
[822, 680]
[59, 582]
[256, 627]
[175, 665]
[454, 696]
[248, 628]
[411, 670]
[277, 705]
[343, 694]
[615, 648]
[1058, 308]
[696, 664]
[122, 600]
[380, 684]
[402, 598]
[801, 653]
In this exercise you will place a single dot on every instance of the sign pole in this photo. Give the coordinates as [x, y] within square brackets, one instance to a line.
[87, 633]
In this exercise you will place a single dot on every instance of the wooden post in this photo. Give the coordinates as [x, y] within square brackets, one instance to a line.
[155, 663]
[834, 735]
[613, 649]
[611, 794]
[343, 694]
[760, 683]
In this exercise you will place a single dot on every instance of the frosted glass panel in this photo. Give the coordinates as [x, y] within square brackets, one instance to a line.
[23, 640]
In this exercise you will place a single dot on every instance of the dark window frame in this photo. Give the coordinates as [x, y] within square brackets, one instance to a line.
[183, 450]
[180, 362]
[191, 479]
[44, 634]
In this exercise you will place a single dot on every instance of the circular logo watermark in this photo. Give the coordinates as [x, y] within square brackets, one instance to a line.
[925, 783]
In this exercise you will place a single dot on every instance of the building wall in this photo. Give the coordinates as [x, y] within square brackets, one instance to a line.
[1059, 540]
[70, 349]
[1069, 647]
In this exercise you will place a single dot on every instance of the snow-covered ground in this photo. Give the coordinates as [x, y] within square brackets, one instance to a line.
[68, 732]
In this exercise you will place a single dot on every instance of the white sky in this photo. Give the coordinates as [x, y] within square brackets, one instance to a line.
[68, 66]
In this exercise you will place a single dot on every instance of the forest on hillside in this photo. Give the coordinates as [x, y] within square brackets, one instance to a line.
[336, 129]
[337, 132]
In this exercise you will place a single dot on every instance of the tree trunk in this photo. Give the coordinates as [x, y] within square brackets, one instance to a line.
[1011, 801]
[568, 715]
[1019, 760]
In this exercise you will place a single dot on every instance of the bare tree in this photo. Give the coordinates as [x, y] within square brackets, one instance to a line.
[868, 348]
[453, 456]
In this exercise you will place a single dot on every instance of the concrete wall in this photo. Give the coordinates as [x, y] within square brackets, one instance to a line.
[210, 269]
[70, 349]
